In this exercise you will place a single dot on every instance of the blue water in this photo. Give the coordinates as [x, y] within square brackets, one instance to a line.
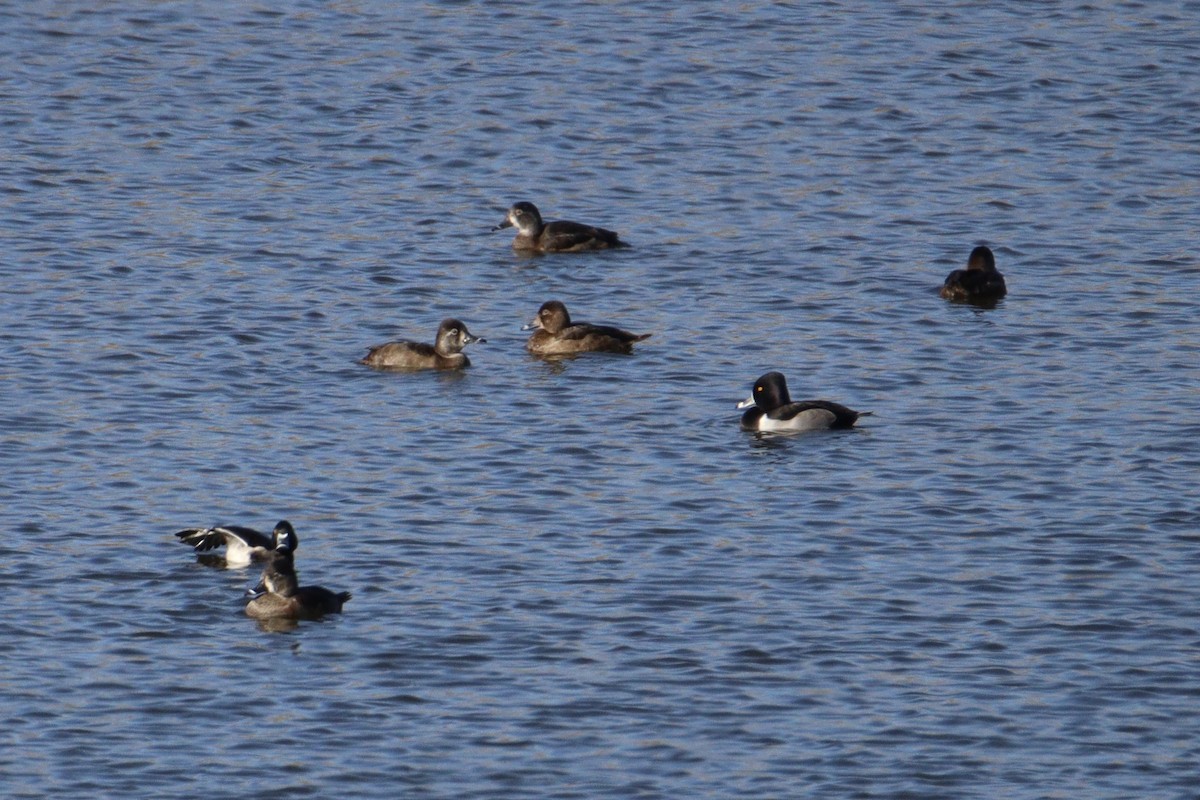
[581, 579]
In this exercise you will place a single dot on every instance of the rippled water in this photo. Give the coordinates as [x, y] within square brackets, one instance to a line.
[580, 579]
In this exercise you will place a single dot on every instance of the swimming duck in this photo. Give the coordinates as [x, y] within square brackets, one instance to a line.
[561, 236]
[557, 335]
[773, 409]
[979, 283]
[279, 595]
[445, 353]
[242, 545]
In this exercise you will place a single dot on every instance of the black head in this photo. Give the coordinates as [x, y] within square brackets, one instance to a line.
[284, 537]
[981, 258]
[771, 392]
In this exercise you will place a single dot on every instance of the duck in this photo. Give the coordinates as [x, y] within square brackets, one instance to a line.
[560, 236]
[279, 595]
[980, 283]
[445, 353]
[556, 335]
[771, 409]
[242, 545]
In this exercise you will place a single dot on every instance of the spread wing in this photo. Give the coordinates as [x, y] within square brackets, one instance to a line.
[211, 538]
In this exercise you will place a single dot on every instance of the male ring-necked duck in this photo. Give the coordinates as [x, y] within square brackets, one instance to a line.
[979, 283]
[773, 409]
[279, 594]
[556, 335]
[560, 236]
[445, 353]
[242, 545]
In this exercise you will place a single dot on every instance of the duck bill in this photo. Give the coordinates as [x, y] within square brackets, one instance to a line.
[507, 223]
[471, 339]
[749, 401]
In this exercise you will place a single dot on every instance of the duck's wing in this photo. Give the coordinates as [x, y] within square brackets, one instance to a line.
[581, 330]
[229, 535]
[397, 353]
[808, 414]
[567, 235]
[973, 285]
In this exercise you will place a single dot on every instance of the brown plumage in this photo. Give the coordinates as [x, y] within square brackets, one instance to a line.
[557, 335]
[445, 353]
[284, 598]
[560, 236]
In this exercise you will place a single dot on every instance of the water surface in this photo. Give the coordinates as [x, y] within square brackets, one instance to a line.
[580, 579]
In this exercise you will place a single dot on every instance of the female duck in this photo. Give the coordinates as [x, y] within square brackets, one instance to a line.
[280, 596]
[561, 236]
[445, 353]
[979, 283]
[556, 335]
[242, 545]
[773, 409]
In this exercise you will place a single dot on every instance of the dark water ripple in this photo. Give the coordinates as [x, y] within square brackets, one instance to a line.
[580, 580]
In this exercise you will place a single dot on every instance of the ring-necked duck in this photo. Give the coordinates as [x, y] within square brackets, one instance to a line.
[774, 410]
[561, 236]
[242, 545]
[279, 594]
[979, 283]
[557, 335]
[445, 353]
